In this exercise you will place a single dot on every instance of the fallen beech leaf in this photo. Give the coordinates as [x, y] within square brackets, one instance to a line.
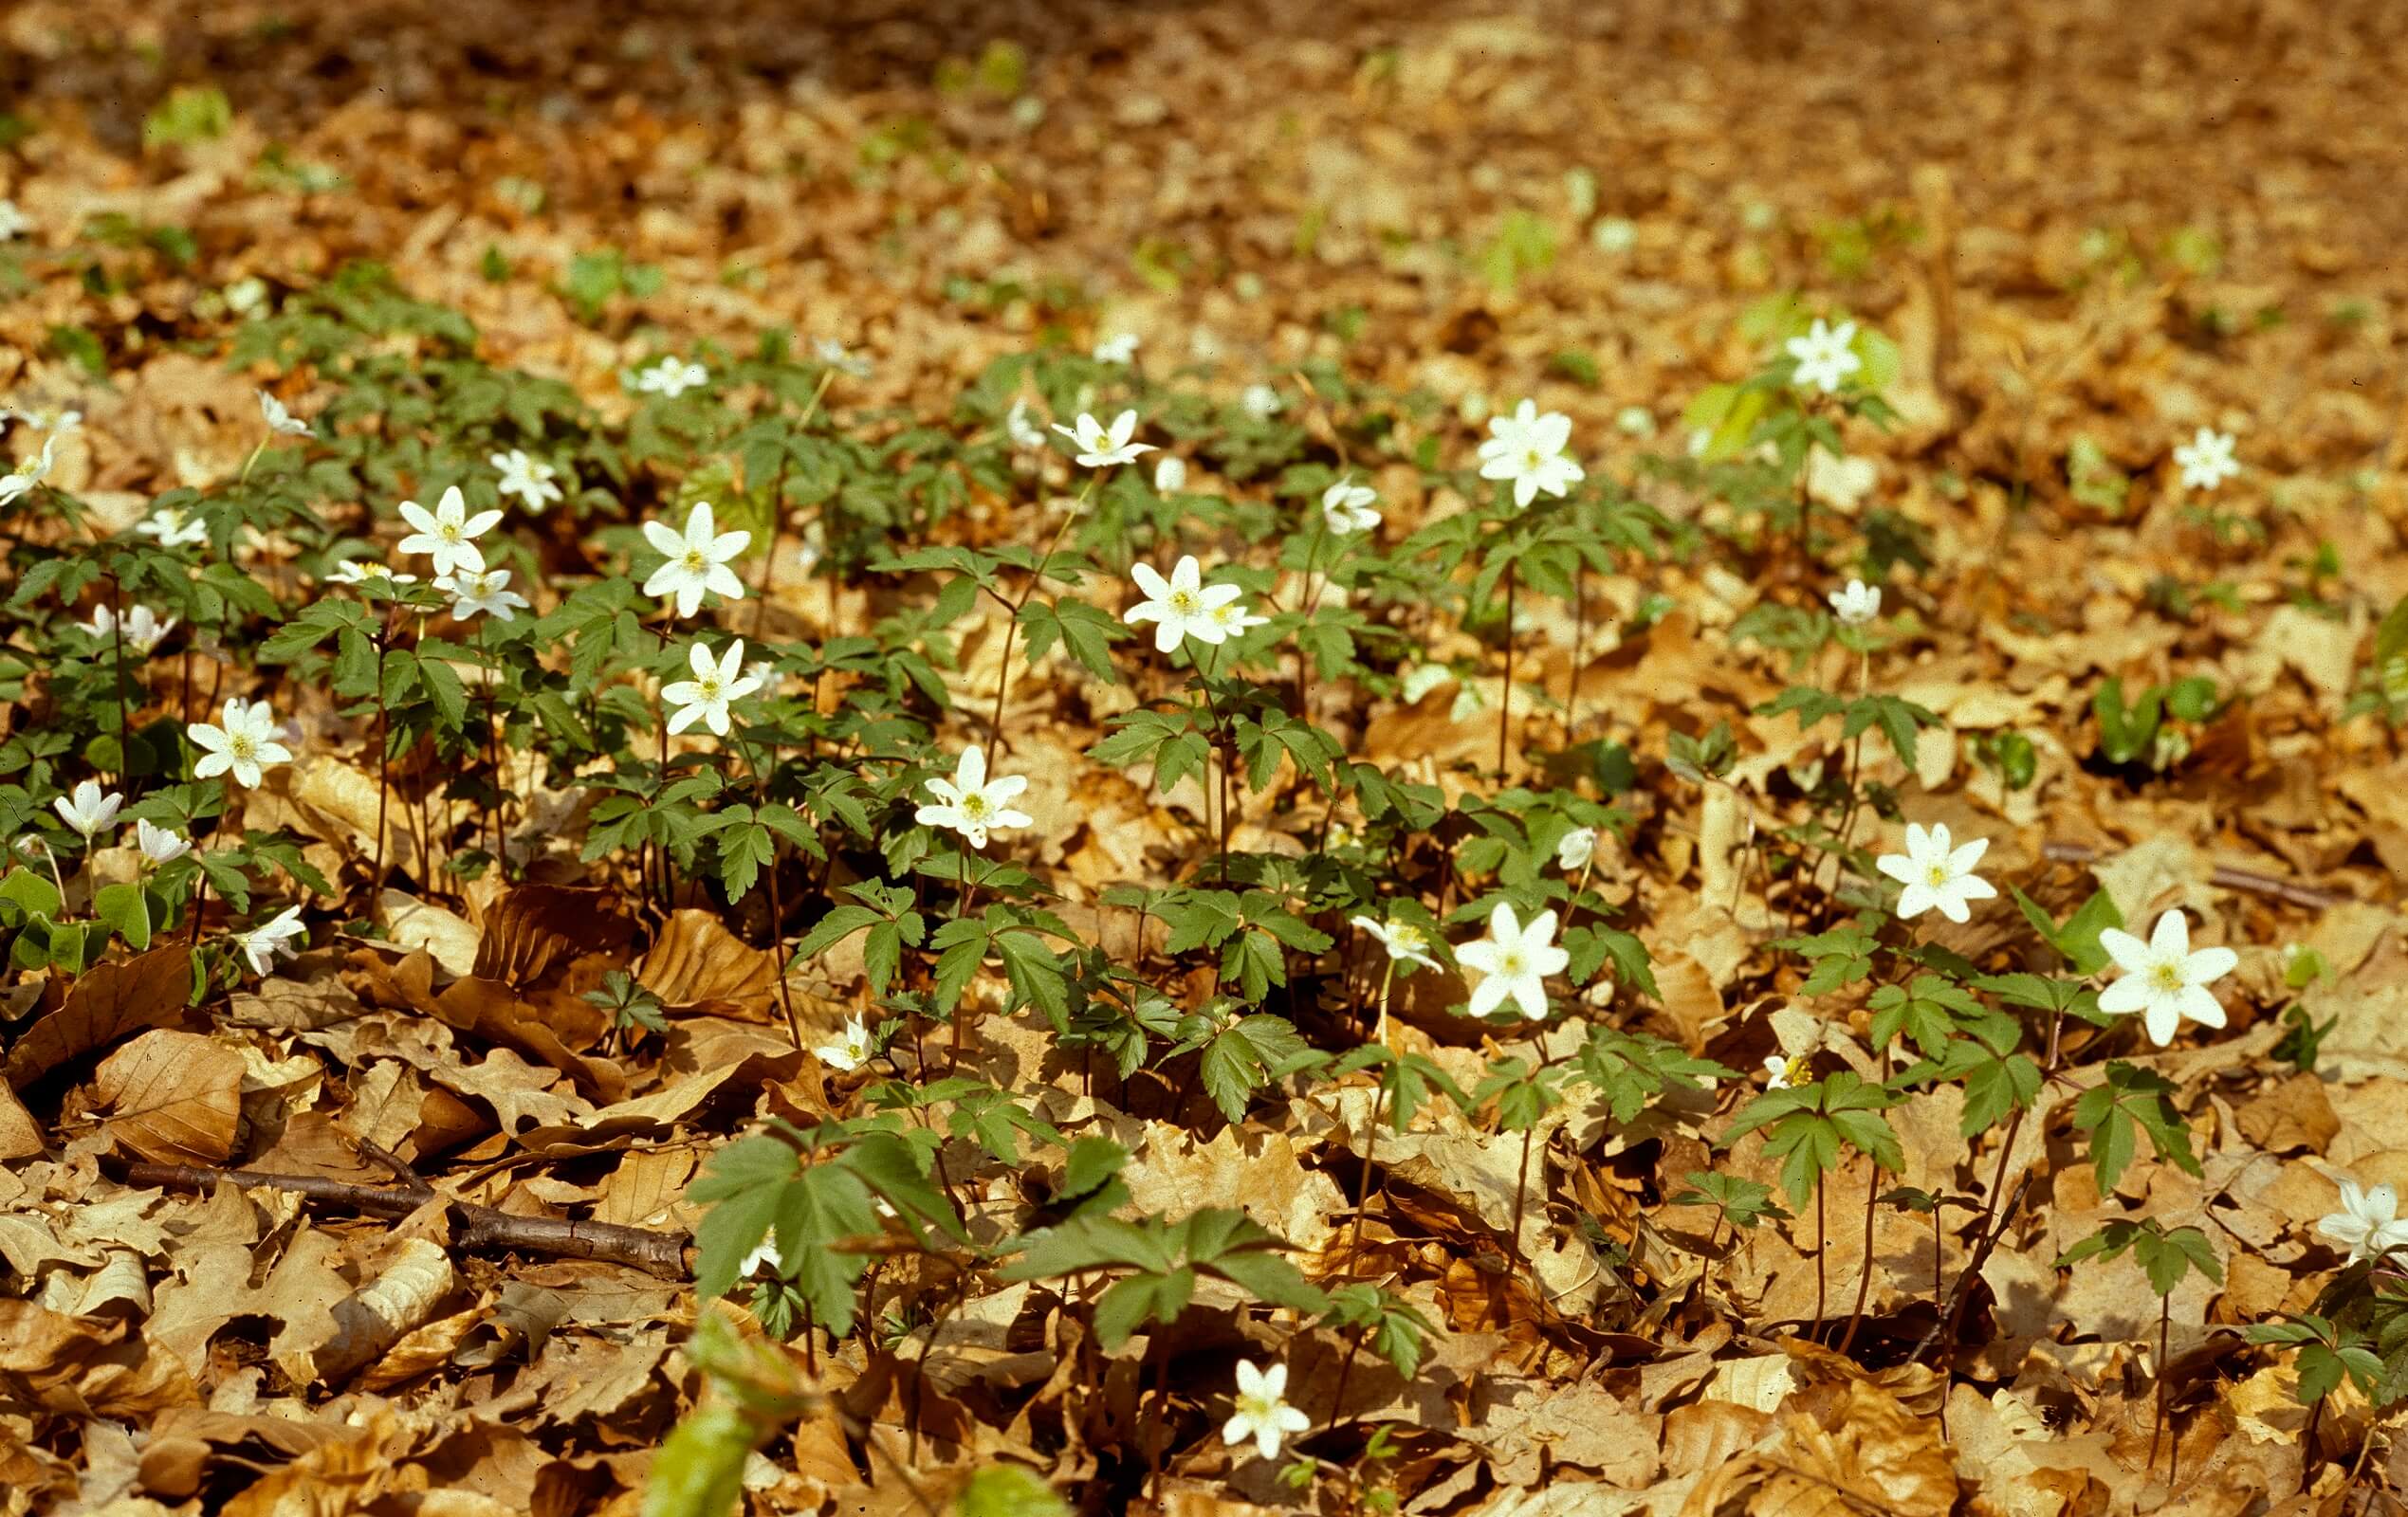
[109, 1000]
[415, 924]
[86, 1370]
[172, 1097]
[696, 961]
[403, 1297]
[536, 926]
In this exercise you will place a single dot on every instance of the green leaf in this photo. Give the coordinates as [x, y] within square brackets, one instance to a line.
[1239, 1060]
[126, 911]
[1009, 1490]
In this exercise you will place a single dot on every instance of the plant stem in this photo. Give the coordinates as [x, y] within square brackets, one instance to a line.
[1505, 698]
[117, 678]
[1822, 1246]
[1864, 1272]
[1011, 622]
[2165, 1310]
[962, 1009]
[384, 771]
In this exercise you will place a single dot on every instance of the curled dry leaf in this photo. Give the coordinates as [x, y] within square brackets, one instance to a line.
[173, 1097]
[109, 1001]
[535, 926]
[81, 1368]
[403, 1297]
[696, 961]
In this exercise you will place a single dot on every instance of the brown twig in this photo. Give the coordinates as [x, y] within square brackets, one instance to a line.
[667, 1255]
[2226, 877]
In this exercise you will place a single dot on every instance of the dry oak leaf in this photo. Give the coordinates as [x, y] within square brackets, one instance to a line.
[109, 1000]
[697, 961]
[1856, 1451]
[535, 926]
[174, 1098]
[86, 1370]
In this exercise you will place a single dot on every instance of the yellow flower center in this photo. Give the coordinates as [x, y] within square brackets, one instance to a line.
[1936, 874]
[448, 531]
[1183, 602]
[707, 686]
[693, 561]
[241, 744]
[974, 807]
[2166, 976]
[1509, 965]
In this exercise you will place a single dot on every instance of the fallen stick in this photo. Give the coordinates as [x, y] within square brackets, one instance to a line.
[667, 1255]
[2225, 878]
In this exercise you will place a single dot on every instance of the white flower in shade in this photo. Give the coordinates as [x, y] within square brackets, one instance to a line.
[13, 222]
[270, 940]
[831, 353]
[87, 809]
[2206, 459]
[1181, 606]
[1635, 421]
[1404, 942]
[1101, 447]
[1857, 604]
[26, 477]
[1347, 508]
[1528, 449]
[242, 743]
[365, 571]
[140, 630]
[1263, 1412]
[1515, 962]
[1825, 357]
[487, 592]
[1170, 474]
[766, 1251]
[1936, 874]
[1121, 347]
[1575, 850]
[970, 803]
[1023, 431]
[448, 533]
[526, 477]
[670, 377]
[1261, 402]
[851, 1049]
[1234, 619]
[2164, 980]
[272, 412]
[697, 560]
[2368, 1222]
[170, 527]
[1783, 1073]
[716, 681]
[159, 844]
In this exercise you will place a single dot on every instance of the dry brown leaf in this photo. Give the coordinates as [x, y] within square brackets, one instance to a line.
[535, 926]
[696, 962]
[86, 1370]
[109, 1000]
[174, 1098]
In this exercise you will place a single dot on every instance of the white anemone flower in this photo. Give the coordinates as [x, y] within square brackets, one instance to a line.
[13, 222]
[487, 592]
[1023, 431]
[970, 803]
[849, 1051]
[263, 944]
[367, 570]
[1781, 1073]
[242, 743]
[272, 412]
[140, 630]
[159, 844]
[448, 533]
[1121, 347]
[716, 682]
[831, 353]
[2163, 979]
[1347, 507]
[1406, 944]
[1515, 961]
[1527, 448]
[26, 477]
[1101, 447]
[1170, 474]
[1857, 604]
[168, 527]
[2368, 1223]
[87, 809]
[670, 377]
[1824, 355]
[1936, 874]
[1575, 849]
[1181, 606]
[2206, 461]
[1262, 1414]
[528, 477]
[1260, 402]
[698, 560]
